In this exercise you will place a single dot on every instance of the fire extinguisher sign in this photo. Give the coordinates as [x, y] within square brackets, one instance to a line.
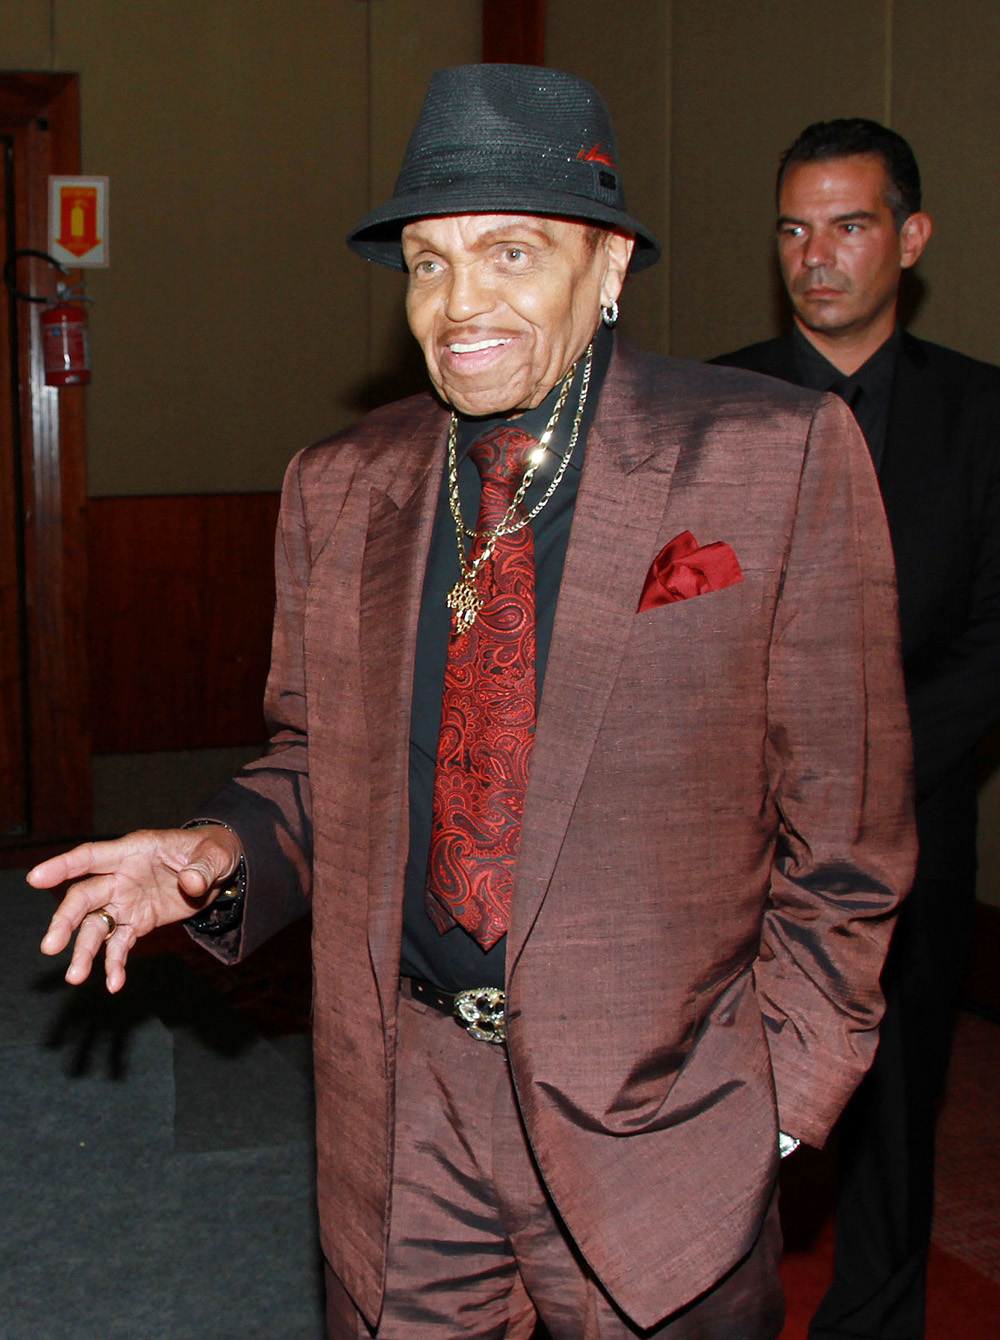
[78, 220]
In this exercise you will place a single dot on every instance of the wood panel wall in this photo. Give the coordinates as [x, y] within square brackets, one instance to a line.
[182, 599]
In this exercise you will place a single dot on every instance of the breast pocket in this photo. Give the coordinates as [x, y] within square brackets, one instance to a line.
[699, 650]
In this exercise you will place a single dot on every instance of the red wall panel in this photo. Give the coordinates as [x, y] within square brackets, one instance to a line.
[514, 31]
[181, 602]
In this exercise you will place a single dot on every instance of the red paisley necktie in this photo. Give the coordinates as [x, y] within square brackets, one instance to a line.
[487, 716]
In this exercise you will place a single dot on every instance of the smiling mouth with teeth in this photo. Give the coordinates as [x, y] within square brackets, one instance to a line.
[477, 347]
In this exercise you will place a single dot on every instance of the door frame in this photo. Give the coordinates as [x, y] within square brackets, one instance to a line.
[40, 112]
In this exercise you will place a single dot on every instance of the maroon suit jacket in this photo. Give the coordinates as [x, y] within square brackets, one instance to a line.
[716, 830]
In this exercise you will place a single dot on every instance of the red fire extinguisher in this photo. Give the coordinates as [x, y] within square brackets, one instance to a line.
[65, 341]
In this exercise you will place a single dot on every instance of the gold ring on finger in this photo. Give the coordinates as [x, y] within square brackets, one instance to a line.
[108, 920]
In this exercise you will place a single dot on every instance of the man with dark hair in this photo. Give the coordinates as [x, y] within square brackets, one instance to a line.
[847, 137]
[559, 754]
[849, 223]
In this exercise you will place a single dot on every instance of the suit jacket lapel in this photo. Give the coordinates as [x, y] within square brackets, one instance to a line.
[401, 520]
[613, 540]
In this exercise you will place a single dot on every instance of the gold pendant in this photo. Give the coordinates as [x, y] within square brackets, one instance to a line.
[466, 602]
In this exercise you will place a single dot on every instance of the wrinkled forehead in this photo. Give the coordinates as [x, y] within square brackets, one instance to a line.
[498, 221]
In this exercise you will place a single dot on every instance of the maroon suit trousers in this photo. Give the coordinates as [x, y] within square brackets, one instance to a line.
[476, 1248]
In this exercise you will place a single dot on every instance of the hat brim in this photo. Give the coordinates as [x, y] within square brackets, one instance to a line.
[377, 237]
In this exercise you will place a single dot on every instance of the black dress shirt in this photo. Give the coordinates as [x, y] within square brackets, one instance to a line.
[454, 960]
[867, 391]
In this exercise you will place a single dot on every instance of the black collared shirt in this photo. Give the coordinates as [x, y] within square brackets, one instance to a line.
[868, 391]
[454, 960]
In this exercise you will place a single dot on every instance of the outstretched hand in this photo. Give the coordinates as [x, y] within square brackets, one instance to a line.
[147, 879]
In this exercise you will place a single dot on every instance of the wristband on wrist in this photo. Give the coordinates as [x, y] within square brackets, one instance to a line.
[225, 912]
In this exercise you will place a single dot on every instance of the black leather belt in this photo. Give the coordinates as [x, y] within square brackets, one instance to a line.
[479, 1009]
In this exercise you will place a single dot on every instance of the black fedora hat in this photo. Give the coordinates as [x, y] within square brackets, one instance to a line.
[506, 139]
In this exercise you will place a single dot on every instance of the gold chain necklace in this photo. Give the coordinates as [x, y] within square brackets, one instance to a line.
[463, 598]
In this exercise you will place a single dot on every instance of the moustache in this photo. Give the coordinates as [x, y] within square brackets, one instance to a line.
[820, 278]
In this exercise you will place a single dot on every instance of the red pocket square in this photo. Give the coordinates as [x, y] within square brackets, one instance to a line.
[683, 568]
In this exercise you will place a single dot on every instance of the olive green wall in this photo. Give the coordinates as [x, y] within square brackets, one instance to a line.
[243, 139]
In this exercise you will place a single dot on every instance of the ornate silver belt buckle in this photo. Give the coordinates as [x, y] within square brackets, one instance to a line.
[479, 1009]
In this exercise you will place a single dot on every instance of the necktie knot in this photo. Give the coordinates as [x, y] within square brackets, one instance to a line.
[501, 456]
[850, 392]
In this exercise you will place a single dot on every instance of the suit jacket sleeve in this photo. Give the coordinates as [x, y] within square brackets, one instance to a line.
[269, 804]
[838, 751]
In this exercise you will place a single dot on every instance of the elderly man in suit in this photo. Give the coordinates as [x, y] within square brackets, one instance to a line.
[563, 752]
[849, 223]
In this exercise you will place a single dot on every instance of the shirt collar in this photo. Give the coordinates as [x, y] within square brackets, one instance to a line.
[819, 374]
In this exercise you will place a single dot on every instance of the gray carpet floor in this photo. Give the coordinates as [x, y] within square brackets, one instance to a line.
[156, 1164]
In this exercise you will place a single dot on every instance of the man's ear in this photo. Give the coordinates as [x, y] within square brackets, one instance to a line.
[913, 237]
[618, 253]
